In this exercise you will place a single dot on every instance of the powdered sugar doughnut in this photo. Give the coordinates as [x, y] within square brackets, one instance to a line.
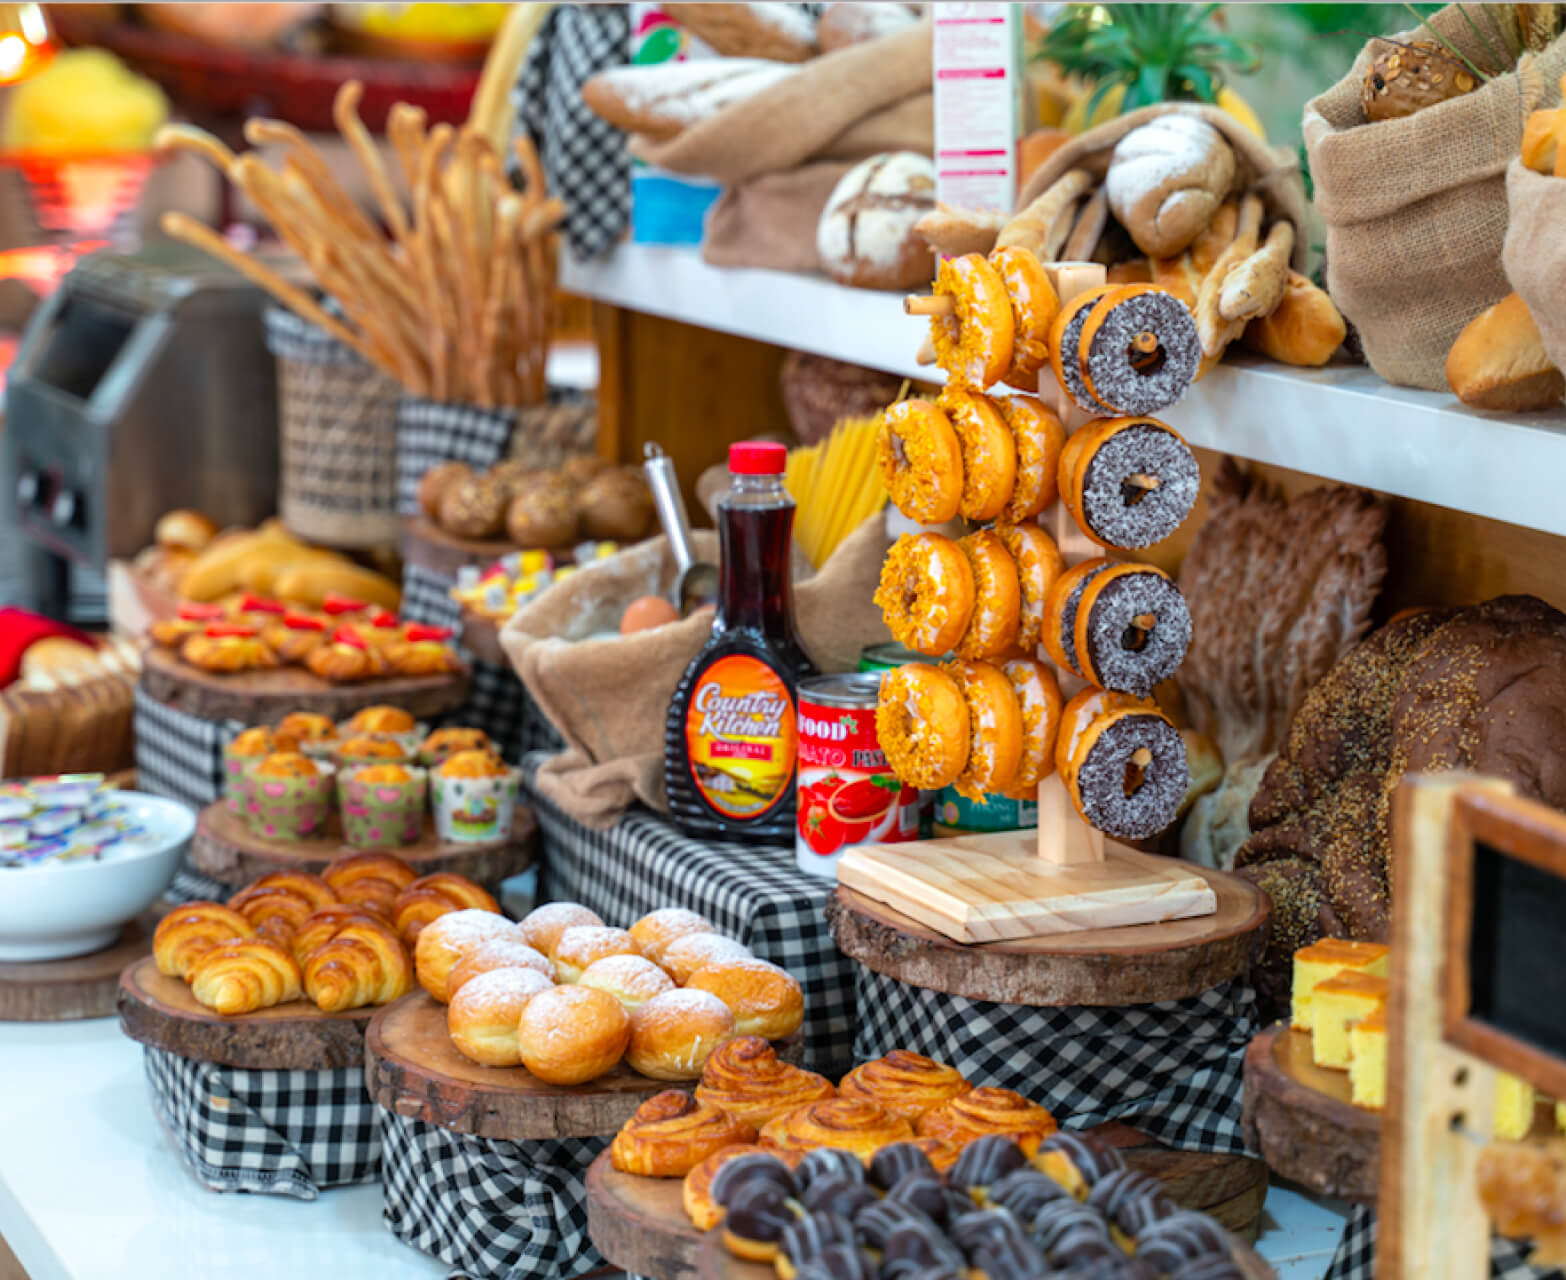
[1038, 437]
[1060, 613]
[1117, 370]
[482, 1017]
[989, 456]
[926, 593]
[1134, 482]
[542, 926]
[1034, 305]
[1039, 701]
[992, 625]
[1132, 628]
[501, 952]
[1123, 763]
[994, 729]
[1039, 564]
[582, 944]
[920, 461]
[972, 345]
[632, 980]
[922, 724]
[673, 1035]
[1065, 336]
[657, 930]
[697, 950]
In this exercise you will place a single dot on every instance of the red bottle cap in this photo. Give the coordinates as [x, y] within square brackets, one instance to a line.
[757, 458]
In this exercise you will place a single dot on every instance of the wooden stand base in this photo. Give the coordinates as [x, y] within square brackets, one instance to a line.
[161, 1012]
[1139, 964]
[429, 547]
[265, 697]
[225, 848]
[78, 987]
[995, 887]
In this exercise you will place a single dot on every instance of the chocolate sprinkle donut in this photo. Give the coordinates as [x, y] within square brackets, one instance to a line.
[1124, 655]
[754, 1166]
[986, 1161]
[1126, 382]
[804, 1240]
[1068, 615]
[892, 1163]
[835, 1192]
[825, 1160]
[838, 1262]
[1070, 365]
[1118, 513]
[1102, 778]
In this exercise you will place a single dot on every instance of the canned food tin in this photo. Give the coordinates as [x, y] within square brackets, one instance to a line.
[883, 657]
[955, 814]
[847, 794]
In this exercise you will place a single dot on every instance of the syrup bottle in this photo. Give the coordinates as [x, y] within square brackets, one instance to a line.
[731, 738]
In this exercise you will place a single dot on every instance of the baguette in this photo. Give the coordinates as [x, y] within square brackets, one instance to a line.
[1044, 225]
[215, 572]
[1215, 332]
[663, 100]
[1255, 287]
[1304, 329]
[310, 582]
[953, 232]
[1499, 362]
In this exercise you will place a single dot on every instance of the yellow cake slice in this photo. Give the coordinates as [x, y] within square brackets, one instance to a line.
[1368, 1070]
[1336, 1004]
[1513, 1107]
[1324, 959]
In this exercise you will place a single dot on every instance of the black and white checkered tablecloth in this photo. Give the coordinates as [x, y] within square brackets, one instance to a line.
[491, 1209]
[177, 754]
[1172, 1070]
[752, 892]
[1355, 1258]
[286, 1133]
[430, 432]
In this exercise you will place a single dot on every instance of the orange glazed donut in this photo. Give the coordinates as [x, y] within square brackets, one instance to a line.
[1123, 763]
[1066, 468]
[989, 458]
[973, 345]
[1132, 628]
[994, 729]
[1034, 305]
[1038, 699]
[1038, 436]
[1060, 613]
[1065, 337]
[920, 461]
[926, 593]
[921, 721]
[992, 627]
[1039, 564]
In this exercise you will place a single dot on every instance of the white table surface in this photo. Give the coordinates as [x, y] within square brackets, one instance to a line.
[90, 1187]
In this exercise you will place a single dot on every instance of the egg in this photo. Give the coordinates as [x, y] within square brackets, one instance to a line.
[647, 613]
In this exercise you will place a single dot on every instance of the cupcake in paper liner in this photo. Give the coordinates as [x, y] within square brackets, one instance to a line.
[239, 756]
[382, 805]
[307, 731]
[390, 723]
[290, 796]
[441, 745]
[474, 795]
[367, 749]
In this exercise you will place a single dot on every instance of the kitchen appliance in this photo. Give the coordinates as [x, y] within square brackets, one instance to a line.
[142, 384]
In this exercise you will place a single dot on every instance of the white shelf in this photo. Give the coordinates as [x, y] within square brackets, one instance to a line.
[1342, 423]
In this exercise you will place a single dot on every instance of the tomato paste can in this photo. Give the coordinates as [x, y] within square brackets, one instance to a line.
[848, 795]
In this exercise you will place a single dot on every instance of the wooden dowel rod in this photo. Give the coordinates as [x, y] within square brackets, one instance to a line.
[1140, 480]
[1145, 343]
[939, 304]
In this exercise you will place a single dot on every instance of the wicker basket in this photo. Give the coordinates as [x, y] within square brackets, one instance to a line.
[338, 436]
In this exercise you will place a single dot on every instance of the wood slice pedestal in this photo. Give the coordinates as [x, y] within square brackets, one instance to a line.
[265, 697]
[429, 547]
[76, 987]
[225, 848]
[160, 1011]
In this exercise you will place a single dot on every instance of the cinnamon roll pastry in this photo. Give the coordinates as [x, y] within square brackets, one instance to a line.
[848, 1124]
[369, 880]
[241, 977]
[191, 930]
[447, 939]
[905, 1083]
[696, 1194]
[321, 926]
[671, 1133]
[746, 1078]
[362, 963]
[432, 896]
[985, 1111]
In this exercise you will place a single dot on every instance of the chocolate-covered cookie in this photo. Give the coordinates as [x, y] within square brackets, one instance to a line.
[891, 1163]
[987, 1229]
[1076, 1162]
[757, 1212]
[1066, 1231]
[1024, 1192]
[838, 1194]
[1167, 1244]
[1130, 1200]
[753, 1166]
[825, 1160]
[924, 1191]
[804, 1239]
[873, 1225]
[915, 1246]
[985, 1161]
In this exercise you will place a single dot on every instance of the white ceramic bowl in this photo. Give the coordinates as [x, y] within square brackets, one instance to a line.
[73, 908]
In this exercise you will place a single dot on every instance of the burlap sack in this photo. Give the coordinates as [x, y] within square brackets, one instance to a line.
[771, 220]
[1272, 172]
[1415, 208]
[1535, 251]
[608, 694]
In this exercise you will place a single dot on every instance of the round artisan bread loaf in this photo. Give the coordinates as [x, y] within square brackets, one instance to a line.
[866, 235]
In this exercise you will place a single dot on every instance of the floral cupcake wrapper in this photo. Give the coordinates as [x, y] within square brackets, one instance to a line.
[381, 815]
[290, 808]
[236, 781]
[474, 810]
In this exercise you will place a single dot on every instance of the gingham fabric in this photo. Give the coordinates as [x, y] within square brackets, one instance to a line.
[1355, 1258]
[1173, 1069]
[430, 432]
[752, 892]
[516, 1210]
[284, 1133]
[585, 159]
[179, 755]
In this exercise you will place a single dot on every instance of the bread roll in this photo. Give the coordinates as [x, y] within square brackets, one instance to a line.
[434, 483]
[657, 929]
[542, 518]
[1304, 329]
[684, 956]
[662, 100]
[781, 32]
[473, 507]
[841, 25]
[765, 1000]
[582, 944]
[673, 1034]
[1166, 180]
[867, 235]
[502, 952]
[1499, 362]
[484, 1013]
[542, 926]
[616, 505]
[632, 980]
[445, 940]
[570, 1035]
[187, 529]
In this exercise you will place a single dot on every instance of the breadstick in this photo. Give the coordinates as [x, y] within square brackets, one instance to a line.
[187, 137]
[1214, 332]
[260, 132]
[507, 216]
[1089, 227]
[952, 231]
[1256, 286]
[1044, 224]
[532, 168]
[345, 112]
[405, 128]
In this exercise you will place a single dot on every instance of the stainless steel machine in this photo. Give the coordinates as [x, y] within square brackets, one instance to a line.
[142, 384]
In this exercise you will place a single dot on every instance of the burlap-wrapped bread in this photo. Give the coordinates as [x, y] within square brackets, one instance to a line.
[1166, 180]
[1535, 252]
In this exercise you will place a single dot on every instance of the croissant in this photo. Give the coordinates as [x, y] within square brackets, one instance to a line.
[905, 1083]
[320, 927]
[241, 977]
[848, 1124]
[190, 931]
[434, 895]
[362, 963]
[671, 1133]
[227, 653]
[985, 1111]
[279, 901]
[746, 1078]
[369, 880]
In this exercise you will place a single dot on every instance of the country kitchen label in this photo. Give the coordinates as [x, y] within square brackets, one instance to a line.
[741, 737]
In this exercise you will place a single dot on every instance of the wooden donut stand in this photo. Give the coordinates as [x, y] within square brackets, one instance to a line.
[76, 987]
[160, 1012]
[265, 697]
[225, 848]
[412, 1069]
